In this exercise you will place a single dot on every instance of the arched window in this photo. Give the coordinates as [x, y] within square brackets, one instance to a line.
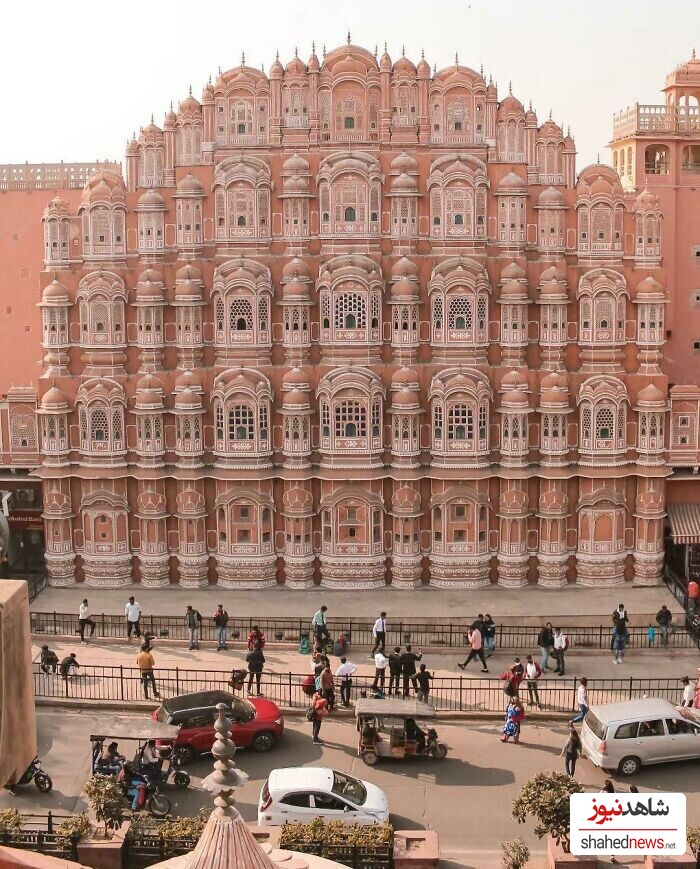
[350, 214]
[350, 420]
[349, 123]
[241, 423]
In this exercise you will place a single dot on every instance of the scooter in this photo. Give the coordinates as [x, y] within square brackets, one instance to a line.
[34, 771]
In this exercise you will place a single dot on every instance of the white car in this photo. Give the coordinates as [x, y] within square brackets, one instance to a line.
[301, 793]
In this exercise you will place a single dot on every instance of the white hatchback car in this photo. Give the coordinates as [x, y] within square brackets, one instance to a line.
[301, 793]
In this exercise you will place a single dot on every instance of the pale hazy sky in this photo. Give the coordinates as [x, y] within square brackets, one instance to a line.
[79, 78]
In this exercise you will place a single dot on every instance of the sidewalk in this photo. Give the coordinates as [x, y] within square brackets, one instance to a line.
[571, 605]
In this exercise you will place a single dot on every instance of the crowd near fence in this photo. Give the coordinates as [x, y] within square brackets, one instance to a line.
[447, 693]
[358, 632]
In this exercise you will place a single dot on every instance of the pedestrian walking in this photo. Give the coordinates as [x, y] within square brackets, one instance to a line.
[489, 635]
[395, 668]
[572, 750]
[477, 649]
[478, 624]
[582, 700]
[688, 689]
[424, 678]
[664, 619]
[619, 640]
[146, 664]
[220, 622]
[514, 715]
[379, 634]
[49, 661]
[560, 645]
[68, 666]
[256, 662]
[533, 672]
[319, 625]
[409, 659]
[512, 678]
[317, 712]
[545, 640]
[380, 663]
[84, 619]
[328, 686]
[256, 638]
[345, 673]
[193, 623]
[132, 612]
[620, 613]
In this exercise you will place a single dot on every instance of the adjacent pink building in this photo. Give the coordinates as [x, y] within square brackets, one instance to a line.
[359, 322]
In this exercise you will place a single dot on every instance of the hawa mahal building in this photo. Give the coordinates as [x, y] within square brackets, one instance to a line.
[359, 322]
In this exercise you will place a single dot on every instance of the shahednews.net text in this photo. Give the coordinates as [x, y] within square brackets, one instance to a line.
[607, 844]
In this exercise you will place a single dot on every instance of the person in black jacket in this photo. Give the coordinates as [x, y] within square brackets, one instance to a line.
[220, 622]
[395, 668]
[664, 619]
[409, 659]
[255, 661]
[49, 660]
[545, 640]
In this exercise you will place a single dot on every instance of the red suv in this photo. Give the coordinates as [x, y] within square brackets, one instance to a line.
[257, 723]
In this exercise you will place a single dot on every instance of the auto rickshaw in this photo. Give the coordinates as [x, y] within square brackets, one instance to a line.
[131, 741]
[390, 728]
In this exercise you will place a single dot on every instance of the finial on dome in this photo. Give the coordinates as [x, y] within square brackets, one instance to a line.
[550, 114]
[693, 55]
[481, 69]
[262, 68]
[151, 117]
[296, 51]
[598, 158]
[490, 79]
[348, 37]
[190, 90]
[376, 50]
[510, 88]
[456, 59]
[313, 46]
[219, 69]
[243, 58]
[277, 55]
[324, 50]
[209, 82]
[434, 69]
[403, 51]
[422, 54]
[568, 131]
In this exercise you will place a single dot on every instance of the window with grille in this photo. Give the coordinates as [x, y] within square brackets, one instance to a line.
[437, 421]
[99, 425]
[117, 423]
[350, 420]
[460, 423]
[460, 315]
[325, 420]
[350, 312]
[23, 431]
[604, 424]
[241, 423]
[437, 312]
[240, 315]
[263, 421]
[459, 210]
[219, 421]
[376, 418]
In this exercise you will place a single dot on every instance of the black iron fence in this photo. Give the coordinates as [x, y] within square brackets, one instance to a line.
[447, 634]
[145, 849]
[447, 693]
[38, 833]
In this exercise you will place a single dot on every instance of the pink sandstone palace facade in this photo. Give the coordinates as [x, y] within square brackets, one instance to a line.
[357, 322]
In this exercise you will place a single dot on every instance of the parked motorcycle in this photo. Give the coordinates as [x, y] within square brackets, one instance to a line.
[34, 772]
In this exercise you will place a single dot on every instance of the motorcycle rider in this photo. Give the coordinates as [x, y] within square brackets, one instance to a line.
[414, 732]
[151, 760]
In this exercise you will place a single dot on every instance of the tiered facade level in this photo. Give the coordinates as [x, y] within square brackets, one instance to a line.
[356, 322]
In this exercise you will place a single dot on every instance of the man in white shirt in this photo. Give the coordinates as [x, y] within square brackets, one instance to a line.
[582, 700]
[344, 672]
[84, 619]
[379, 634]
[318, 623]
[132, 611]
[380, 665]
[151, 761]
[561, 643]
[688, 692]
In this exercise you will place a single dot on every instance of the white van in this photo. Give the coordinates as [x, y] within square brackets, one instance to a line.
[623, 737]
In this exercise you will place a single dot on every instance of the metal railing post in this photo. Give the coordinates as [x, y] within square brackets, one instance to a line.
[55, 628]
[177, 680]
[121, 681]
[290, 687]
[631, 687]
[49, 822]
[461, 698]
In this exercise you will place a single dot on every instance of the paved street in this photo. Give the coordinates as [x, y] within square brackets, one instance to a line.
[422, 794]
[574, 604]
